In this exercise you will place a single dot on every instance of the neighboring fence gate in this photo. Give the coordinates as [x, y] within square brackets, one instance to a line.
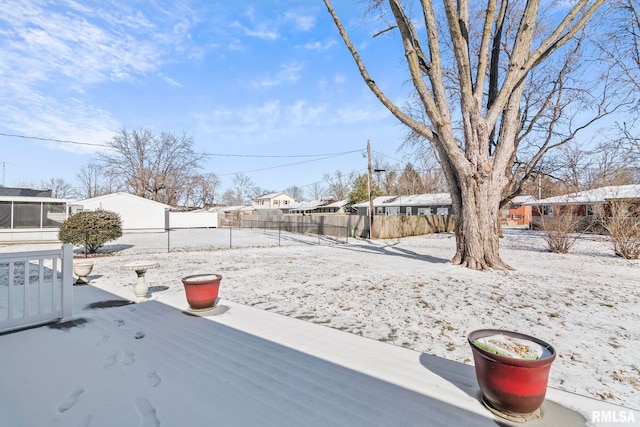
[36, 287]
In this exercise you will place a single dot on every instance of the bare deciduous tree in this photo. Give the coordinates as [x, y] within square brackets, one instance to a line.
[470, 82]
[316, 191]
[203, 189]
[243, 189]
[410, 181]
[60, 189]
[338, 185]
[91, 179]
[296, 192]
[156, 167]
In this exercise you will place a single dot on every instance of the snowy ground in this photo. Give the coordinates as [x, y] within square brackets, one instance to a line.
[405, 292]
[586, 303]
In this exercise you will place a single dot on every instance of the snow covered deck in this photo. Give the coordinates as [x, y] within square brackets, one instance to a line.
[154, 364]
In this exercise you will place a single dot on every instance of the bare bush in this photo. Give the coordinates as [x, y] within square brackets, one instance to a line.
[560, 229]
[623, 225]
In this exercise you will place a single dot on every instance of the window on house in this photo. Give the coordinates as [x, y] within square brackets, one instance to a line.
[443, 211]
[54, 214]
[393, 210]
[5, 214]
[408, 211]
[424, 211]
[26, 215]
[517, 216]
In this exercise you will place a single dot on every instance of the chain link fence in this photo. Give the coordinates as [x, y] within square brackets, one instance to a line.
[251, 234]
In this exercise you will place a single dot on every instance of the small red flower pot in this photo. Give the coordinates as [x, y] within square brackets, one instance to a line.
[515, 388]
[201, 290]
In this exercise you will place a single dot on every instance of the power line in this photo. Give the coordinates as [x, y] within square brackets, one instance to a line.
[326, 155]
[290, 164]
[66, 141]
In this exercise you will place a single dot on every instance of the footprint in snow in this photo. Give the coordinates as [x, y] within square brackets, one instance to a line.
[103, 340]
[147, 413]
[84, 421]
[70, 401]
[153, 379]
[129, 358]
[119, 322]
[140, 334]
[109, 361]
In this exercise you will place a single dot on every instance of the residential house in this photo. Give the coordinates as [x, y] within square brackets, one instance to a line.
[583, 203]
[518, 211]
[416, 204]
[306, 207]
[338, 206]
[273, 201]
[319, 207]
[28, 215]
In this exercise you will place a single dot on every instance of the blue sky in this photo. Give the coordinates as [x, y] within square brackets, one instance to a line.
[263, 78]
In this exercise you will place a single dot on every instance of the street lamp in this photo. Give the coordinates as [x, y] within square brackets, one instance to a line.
[370, 187]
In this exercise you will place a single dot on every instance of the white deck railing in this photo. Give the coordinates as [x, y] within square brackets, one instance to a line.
[36, 287]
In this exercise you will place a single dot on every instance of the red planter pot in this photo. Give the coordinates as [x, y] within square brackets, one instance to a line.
[513, 387]
[201, 290]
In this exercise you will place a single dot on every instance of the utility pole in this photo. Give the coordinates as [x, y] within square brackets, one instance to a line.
[370, 187]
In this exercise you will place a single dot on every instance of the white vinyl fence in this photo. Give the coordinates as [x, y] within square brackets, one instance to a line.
[36, 287]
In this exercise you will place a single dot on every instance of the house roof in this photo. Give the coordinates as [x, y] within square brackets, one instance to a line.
[596, 195]
[25, 192]
[307, 204]
[33, 199]
[429, 199]
[233, 208]
[523, 200]
[338, 204]
[273, 195]
[121, 195]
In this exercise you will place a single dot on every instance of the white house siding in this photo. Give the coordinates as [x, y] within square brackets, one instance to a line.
[136, 213]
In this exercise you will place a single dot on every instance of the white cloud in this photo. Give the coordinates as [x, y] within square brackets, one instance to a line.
[262, 34]
[360, 113]
[274, 120]
[52, 55]
[169, 80]
[289, 73]
[262, 31]
[266, 122]
[301, 22]
[44, 116]
[319, 46]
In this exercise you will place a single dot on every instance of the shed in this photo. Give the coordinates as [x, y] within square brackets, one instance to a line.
[137, 213]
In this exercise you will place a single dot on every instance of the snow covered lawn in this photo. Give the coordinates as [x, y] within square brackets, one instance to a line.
[405, 292]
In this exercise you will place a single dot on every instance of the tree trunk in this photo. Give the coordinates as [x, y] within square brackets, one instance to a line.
[477, 225]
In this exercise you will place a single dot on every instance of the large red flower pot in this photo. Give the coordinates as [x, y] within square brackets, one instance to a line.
[201, 290]
[512, 387]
